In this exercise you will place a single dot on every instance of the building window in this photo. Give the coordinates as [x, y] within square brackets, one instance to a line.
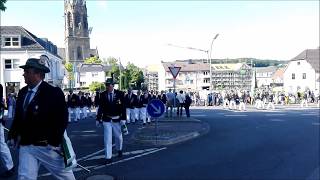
[11, 41]
[79, 53]
[94, 74]
[293, 76]
[304, 76]
[11, 63]
[298, 63]
[205, 73]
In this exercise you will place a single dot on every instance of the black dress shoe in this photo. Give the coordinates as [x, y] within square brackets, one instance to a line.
[7, 173]
[107, 161]
[119, 154]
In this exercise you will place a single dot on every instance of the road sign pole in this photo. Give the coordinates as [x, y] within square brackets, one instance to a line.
[174, 92]
[174, 71]
[156, 126]
[156, 109]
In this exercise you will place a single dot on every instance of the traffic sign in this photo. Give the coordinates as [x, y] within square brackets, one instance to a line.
[174, 71]
[155, 108]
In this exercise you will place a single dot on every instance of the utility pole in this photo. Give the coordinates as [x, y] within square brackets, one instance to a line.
[120, 78]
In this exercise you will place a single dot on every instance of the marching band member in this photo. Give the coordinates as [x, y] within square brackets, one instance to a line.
[5, 154]
[145, 100]
[139, 106]
[232, 104]
[38, 126]
[271, 101]
[242, 105]
[130, 102]
[73, 106]
[110, 112]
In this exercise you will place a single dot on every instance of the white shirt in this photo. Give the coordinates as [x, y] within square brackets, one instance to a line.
[34, 90]
[181, 98]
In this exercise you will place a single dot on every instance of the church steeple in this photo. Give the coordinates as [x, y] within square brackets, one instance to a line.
[77, 41]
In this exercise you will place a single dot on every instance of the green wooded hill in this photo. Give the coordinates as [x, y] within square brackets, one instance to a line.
[254, 61]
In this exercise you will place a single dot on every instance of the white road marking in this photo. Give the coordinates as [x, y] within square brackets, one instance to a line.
[92, 154]
[274, 114]
[124, 154]
[92, 131]
[235, 115]
[277, 120]
[309, 114]
[198, 115]
[139, 153]
[130, 158]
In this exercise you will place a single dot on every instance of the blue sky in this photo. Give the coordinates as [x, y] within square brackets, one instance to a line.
[139, 31]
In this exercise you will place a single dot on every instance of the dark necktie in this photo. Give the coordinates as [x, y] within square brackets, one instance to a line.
[110, 97]
[26, 102]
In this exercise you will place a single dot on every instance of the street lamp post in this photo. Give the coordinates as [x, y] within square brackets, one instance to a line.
[210, 59]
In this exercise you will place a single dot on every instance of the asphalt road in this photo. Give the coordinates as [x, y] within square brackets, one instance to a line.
[281, 144]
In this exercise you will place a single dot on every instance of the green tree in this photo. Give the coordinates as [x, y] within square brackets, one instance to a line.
[113, 62]
[2, 6]
[69, 68]
[96, 86]
[93, 60]
[133, 76]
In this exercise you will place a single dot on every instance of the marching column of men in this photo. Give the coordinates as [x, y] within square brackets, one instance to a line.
[78, 105]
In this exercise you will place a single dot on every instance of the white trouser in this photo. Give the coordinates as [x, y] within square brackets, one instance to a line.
[256, 103]
[242, 106]
[30, 158]
[304, 101]
[109, 128]
[271, 104]
[76, 112]
[259, 104]
[232, 104]
[89, 109]
[97, 107]
[84, 111]
[137, 113]
[10, 111]
[225, 102]
[145, 116]
[130, 115]
[5, 155]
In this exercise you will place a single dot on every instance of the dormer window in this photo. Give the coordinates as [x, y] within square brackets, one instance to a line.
[11, 41]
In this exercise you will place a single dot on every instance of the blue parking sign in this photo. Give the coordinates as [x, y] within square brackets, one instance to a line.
[155, 108]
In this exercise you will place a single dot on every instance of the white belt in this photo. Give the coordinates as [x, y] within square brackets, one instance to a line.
[114, 117]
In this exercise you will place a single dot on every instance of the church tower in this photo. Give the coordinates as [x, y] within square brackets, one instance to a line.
[76, 32]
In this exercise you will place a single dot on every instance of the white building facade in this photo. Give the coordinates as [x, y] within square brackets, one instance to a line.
[302, 72]
[86, 74]
[193, 76]
[264, 76]
[17, 45]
